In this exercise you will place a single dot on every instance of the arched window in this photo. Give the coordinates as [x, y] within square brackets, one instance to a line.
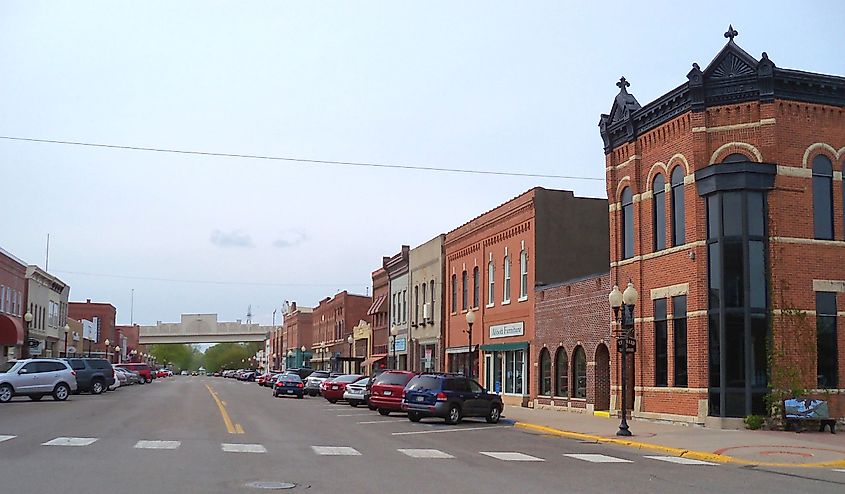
[579, 373]
[562, 371]
[735, 158]
[659, 213]
[678, 210]
[464, 290]
[823, 197]
[545, 373]
[523, 275]
[491, 283]
[476, 286]
[627, 229]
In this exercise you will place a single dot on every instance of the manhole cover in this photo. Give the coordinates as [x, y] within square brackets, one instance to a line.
[271, 485]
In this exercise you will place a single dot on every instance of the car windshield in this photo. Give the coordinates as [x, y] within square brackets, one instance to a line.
[424, 383]
[6, 367]
[289, 378]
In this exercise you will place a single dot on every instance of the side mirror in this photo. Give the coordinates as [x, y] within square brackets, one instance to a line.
[23, 371]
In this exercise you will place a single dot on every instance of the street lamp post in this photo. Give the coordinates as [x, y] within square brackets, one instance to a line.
[351, 340]
[470, 321]
[623, 304]
[108, 352]
[117, 351]
[67, 330]
[302, 349]
[25, 349]
[394, 330]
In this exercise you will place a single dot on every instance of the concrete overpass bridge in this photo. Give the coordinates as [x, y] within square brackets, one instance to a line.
[201, 328]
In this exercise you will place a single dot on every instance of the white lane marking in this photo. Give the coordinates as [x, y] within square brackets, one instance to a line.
[679, 460]
[354, 415]
[378, 422]
[839, 470]
[158, 444]
[335, 451]
[71, 441]
[6, 438]
[243, 448]
[596, 458]
[425, 453]
[510, 456]
[450, 430]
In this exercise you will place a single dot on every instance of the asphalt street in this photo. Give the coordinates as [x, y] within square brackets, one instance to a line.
[215, 435]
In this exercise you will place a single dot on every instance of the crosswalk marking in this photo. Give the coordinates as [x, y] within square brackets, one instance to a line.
[243, 448]
[425, 453]
[596, 458]
[680, 460]
[6, 438]
[510, 456]
[335, 451]
[158, 444]
[71, 441]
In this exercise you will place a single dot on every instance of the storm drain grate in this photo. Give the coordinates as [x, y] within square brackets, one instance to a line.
[271, 485]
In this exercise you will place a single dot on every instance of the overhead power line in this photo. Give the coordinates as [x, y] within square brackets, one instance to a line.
[205, 282]
[304, 160]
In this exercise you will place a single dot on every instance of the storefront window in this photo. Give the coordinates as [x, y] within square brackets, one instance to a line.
[514, 371]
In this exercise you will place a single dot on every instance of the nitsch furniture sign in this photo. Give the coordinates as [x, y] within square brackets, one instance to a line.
[505, 330]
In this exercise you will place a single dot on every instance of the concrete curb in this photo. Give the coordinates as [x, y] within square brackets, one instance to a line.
[685, 453]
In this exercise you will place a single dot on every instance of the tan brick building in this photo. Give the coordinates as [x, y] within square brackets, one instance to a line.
[727, 216]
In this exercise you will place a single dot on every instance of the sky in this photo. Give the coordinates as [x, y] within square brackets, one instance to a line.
[479, 85]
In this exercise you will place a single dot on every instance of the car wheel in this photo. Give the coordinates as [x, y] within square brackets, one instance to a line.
[371, 407]
[36, 397]
[6, 393]
[414, 416]
[149, 379]
[299, 397]
[141, 381]
[494, 415]
[454, 416]
[97, 387]
[61, 392]
[332, 400]
[383, 411]
[353, 403]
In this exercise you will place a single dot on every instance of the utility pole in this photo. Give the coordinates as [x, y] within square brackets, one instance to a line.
[47, 259]
[132, 308]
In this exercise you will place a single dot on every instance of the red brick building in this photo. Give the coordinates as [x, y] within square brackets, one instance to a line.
[379, 319]
[333, 320]
[106, 315]
[574, 342]
[494, 262]
[13, 285]
[299, 331]
[129, 337]
[727, 216]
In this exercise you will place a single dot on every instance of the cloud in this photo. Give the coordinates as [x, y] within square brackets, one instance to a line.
[235, 238]
[290, 238]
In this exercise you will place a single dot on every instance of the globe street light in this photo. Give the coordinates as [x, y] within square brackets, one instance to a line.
[394, 330]
[108, 354]
[350, 340]
[28, 318]
[117, 351]
[470, 321]
[623, 304]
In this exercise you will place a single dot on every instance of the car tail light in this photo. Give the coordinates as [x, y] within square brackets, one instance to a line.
[280, 384]
[73, 373]
[441, 396]
[300, 385]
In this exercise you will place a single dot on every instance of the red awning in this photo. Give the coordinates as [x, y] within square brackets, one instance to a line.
[377, 303]
[373, 359]
[11, 331]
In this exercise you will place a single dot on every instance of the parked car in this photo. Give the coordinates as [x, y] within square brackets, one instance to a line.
[334, 388]
[313, 382]
[450, 396]
[120, 379]
[369, 389]
[355, 392]
[131, 376]
[142, 369]
[36, 378]
[247, 376]
[387, 391]
[289, 384]
[302, 372]
[216, 374]
[93, 375]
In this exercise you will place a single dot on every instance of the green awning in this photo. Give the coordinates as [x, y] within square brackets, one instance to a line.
[504, 347]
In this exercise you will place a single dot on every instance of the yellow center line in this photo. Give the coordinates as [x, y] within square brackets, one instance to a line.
[230, 427]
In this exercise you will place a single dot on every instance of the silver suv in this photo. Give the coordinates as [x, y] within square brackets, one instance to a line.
[36, 378]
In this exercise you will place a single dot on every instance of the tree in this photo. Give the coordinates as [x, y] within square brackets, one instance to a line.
[175, 354]
[229, 356]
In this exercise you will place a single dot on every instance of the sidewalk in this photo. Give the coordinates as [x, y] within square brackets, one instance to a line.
[765, 448]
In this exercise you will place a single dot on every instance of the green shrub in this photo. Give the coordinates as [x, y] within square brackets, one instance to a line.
[754, 422]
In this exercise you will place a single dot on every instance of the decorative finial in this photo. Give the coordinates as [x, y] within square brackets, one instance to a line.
[731, 33]
[622, 84]
[696, 66]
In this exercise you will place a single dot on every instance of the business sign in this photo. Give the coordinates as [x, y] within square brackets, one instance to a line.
[75, 336]
[89, 330]
[505, 330]
[399, 344]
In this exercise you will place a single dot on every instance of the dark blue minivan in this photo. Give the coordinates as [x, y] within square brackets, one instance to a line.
[449, 396]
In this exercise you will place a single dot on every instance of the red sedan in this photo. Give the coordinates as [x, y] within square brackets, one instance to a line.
[333, 389]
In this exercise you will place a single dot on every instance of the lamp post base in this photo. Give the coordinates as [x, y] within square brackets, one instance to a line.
[623, 432]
